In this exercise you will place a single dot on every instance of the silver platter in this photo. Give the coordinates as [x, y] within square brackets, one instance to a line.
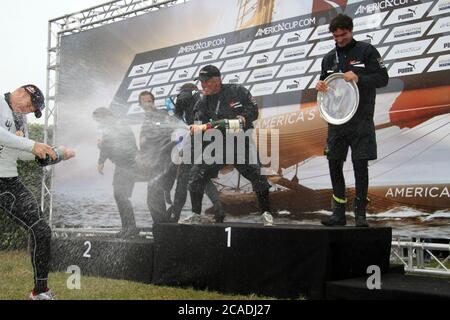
[339, 103]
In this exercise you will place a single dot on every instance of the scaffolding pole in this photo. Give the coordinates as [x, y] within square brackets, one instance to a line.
[91, 18]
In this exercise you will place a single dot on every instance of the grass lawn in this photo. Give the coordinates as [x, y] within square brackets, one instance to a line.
[16, 282]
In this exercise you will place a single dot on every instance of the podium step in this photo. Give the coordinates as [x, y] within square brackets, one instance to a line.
[104, 256]
[283, 261]
[394, 286]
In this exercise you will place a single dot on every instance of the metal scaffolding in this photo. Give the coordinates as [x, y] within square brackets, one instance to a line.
[91, 18]
[422, 257]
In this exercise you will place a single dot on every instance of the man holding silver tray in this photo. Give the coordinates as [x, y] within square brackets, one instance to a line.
[347, 88]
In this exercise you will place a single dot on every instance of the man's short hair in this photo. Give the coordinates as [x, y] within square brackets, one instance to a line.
[102, 113]
[188, 86]
[341, 21]
[146, 93]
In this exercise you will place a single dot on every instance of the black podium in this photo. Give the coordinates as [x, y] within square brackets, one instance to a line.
[104, 256]
[282, 261]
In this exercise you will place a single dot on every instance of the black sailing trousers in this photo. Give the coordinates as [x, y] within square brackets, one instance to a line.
[18, 203]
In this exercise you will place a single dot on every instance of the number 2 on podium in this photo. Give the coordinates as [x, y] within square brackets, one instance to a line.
[87, 252]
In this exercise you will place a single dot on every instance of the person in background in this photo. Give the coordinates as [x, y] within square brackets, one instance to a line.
[227, 104]
[118, 144]
[153, 118]
[187, 98]
[154, 157]
[360, 62]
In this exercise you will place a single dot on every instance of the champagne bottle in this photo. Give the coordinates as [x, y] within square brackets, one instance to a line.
[232, 126]
[48, 161]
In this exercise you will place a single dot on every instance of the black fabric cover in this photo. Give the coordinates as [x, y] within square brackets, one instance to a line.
[110, 258]
[394, 286]
[280, 261]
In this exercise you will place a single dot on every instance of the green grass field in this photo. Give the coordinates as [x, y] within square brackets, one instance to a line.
[16, 282]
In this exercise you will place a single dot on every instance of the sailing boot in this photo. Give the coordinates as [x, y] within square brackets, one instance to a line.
[213, 195]
[359, 208]
[338, 217]
[264, 202]
[219, 215]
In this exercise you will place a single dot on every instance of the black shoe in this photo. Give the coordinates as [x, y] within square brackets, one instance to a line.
[359, 208]
[361, 222]
[217, 210]
[334, 220]
[338, 217]
[170, 216]
[218, 219]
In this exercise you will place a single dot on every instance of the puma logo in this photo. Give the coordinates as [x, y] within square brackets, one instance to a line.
[413, 65]
[412, 10]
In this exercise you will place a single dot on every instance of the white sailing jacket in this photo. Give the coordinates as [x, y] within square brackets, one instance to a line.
[12, 147]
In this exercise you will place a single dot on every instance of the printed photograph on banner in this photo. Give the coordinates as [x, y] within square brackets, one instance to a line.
[277, 55]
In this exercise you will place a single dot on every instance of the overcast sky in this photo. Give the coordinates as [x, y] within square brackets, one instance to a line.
[24, 31]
